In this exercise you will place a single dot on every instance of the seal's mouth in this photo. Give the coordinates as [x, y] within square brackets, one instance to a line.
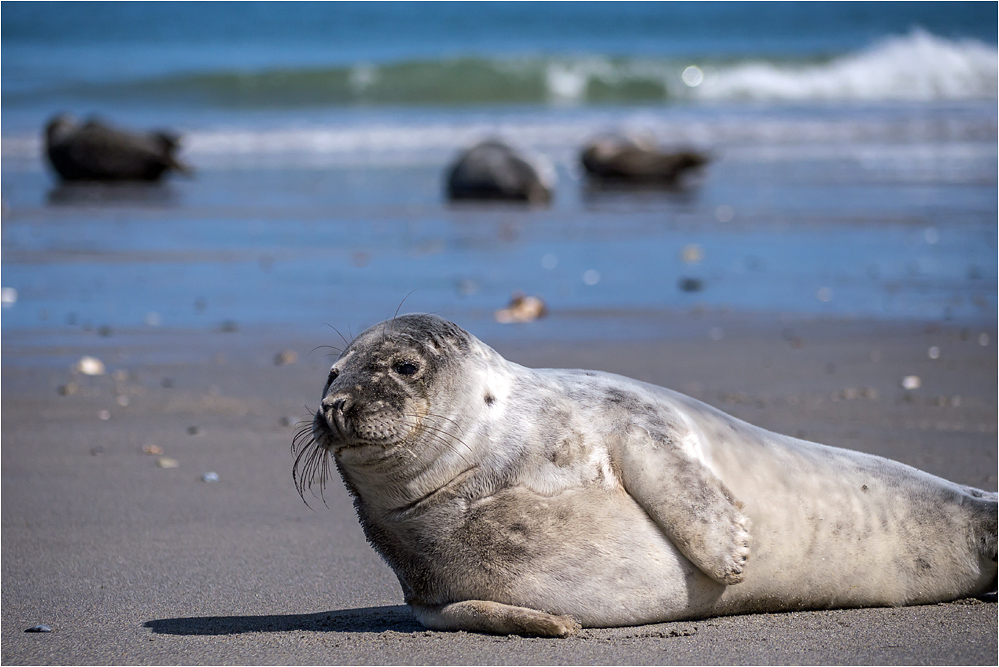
[316, 445]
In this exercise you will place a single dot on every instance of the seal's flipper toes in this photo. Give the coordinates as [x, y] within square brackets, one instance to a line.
[691, 505]
[727, 562]
[494, 618]
[737, 555]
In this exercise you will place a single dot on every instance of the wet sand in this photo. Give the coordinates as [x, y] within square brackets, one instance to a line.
[132, 563]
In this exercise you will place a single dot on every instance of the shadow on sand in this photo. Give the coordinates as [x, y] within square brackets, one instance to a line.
[367, 619]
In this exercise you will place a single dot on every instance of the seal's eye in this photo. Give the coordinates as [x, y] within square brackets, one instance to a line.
[405, 368]
[334, 373]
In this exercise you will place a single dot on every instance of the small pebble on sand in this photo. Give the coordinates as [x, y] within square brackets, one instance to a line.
[285, 358]
[153, 450]
[467, 287]
[104, 415]
[89, 366]
[934, 352]
[210, 477]
[165, 462]
[41, 627]
[724, 213]
[692, 253]
[911, 382]
[691, 285]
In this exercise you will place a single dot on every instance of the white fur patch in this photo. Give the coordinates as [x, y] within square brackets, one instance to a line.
[499, 384]
[692, 444]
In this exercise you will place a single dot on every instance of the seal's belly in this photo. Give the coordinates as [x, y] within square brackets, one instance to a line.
[589, 552]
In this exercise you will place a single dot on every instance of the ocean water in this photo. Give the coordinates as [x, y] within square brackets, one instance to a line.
[854, 168]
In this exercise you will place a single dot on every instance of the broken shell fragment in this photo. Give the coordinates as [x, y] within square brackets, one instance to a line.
[522, 308]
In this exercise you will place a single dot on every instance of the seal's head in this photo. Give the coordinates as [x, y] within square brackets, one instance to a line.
[388, 400]
[59, 128]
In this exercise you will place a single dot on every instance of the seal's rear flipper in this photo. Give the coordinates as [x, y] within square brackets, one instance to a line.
[495, 618]
[985, 525]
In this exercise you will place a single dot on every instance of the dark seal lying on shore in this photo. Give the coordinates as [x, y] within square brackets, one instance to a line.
[632, 160]
[94, 151]
[535, 501]
[495, 170]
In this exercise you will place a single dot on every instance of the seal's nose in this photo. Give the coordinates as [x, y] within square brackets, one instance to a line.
[335, 407]
[336, 403]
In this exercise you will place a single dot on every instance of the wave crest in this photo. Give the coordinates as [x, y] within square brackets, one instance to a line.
[917, 67]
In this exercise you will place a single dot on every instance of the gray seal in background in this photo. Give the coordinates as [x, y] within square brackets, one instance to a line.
[625, 159]
[535, 501]
[94, 151]
[495, 170]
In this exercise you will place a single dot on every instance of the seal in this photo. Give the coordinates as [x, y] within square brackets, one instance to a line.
[94, 151]
[495, 170]
[637, 160]
[537, 501]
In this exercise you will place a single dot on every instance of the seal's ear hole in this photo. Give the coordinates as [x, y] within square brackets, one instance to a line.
[406, 368]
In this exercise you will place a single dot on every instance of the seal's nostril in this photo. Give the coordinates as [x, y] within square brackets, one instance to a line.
[335, 403]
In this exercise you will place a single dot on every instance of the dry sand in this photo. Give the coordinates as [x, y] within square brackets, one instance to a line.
[132, 563]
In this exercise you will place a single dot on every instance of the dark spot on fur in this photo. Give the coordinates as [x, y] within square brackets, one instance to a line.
[490, 399]
[923, 565]
[616, 396]
[864, 488]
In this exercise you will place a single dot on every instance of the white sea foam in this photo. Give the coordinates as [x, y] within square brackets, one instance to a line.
[737, 134]
[918, 67]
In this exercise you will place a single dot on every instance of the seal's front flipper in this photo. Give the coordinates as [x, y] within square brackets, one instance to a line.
[495, 618]
[687, 501]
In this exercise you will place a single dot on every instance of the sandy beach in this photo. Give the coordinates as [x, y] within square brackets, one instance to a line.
[132, 563]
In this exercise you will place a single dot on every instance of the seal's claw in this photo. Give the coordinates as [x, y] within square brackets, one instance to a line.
[732, 571]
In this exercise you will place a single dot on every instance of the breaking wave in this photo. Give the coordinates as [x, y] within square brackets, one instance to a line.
[917, 67]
